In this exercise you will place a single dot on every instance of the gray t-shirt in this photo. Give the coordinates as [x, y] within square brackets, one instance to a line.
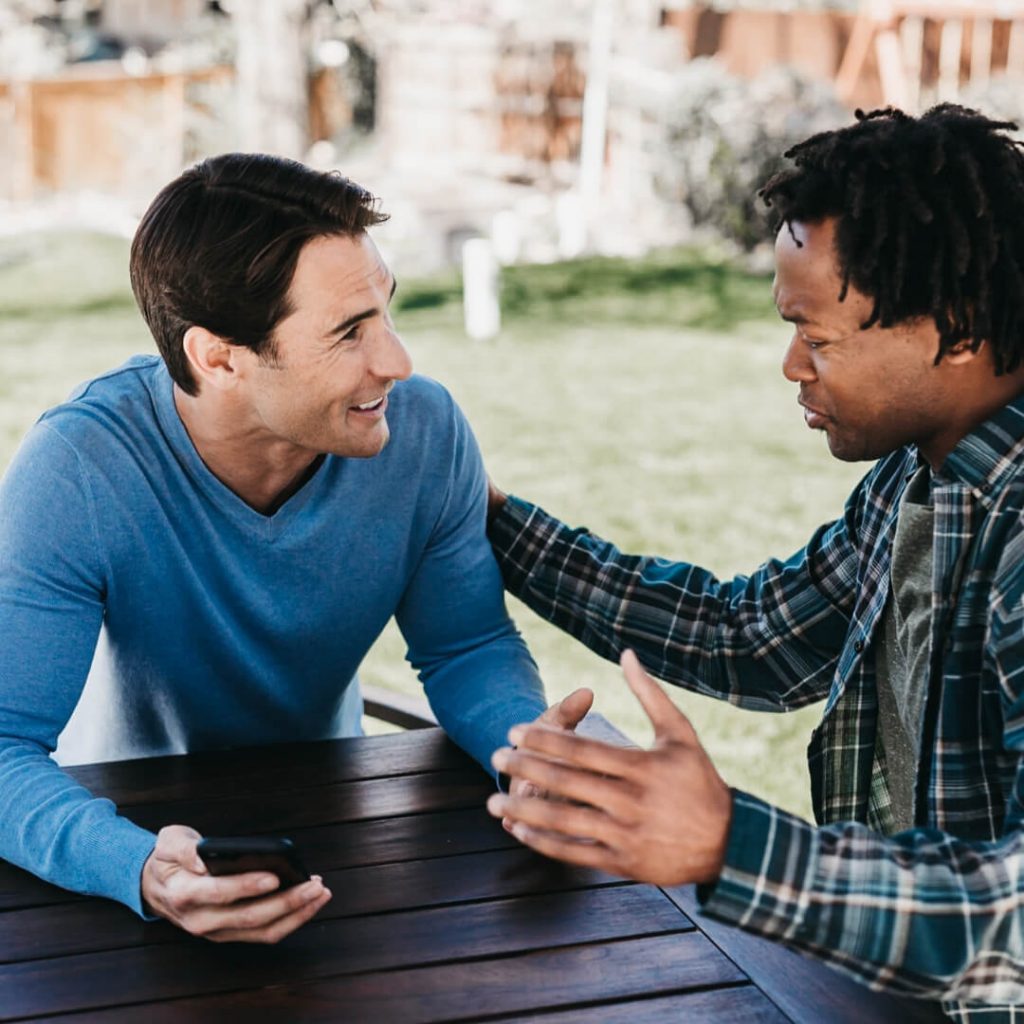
[903, 651]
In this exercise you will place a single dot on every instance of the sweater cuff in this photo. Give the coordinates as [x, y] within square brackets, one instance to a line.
[768, 872]
[140, 847]
[118, 850]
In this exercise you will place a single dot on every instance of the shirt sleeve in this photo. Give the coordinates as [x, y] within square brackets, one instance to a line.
[921, 913]
[767, 642]
[475, 667]
[52, 587]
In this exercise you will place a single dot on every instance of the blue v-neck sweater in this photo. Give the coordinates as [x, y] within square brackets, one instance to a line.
[224, 626]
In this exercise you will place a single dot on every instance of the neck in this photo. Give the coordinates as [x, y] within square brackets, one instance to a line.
[264, 471]
[980, 395]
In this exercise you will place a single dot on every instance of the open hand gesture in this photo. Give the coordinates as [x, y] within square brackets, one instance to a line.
[660, 815]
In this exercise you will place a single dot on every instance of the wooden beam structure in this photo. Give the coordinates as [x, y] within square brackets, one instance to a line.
[894, 31]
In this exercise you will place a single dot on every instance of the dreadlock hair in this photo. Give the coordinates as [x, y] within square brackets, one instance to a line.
[929, 220]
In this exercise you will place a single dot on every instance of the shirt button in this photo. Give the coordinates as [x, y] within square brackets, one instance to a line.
[858, 645]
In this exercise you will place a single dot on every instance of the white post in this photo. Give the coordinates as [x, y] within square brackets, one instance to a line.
[981, 52]
[950, 49]
[571, 218]
[481, 306]
[272, 77]
[595, 106]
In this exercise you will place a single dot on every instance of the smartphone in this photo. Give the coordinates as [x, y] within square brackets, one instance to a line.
[235, 855]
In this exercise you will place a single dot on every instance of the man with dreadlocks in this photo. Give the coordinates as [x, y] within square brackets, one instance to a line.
[900, 264]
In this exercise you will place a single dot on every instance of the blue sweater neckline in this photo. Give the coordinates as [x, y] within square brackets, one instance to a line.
[162, 387]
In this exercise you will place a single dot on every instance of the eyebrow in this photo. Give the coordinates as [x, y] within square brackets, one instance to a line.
[797, 318]
[347, 325]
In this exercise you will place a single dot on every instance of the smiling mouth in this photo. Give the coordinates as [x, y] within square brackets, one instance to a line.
[371, 406]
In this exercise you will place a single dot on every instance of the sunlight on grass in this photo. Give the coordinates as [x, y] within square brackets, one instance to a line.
[643, 399]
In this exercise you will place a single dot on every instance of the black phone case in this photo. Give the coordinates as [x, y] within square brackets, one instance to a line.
[234, 856]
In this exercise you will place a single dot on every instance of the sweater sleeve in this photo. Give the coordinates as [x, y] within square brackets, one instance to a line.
[477, 672]
[52, 587]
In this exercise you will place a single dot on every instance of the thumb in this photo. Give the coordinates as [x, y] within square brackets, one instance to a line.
[570, 711]
[666, 718]
[178, 843]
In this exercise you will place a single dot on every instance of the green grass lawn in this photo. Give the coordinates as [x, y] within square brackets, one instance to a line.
[643, 399]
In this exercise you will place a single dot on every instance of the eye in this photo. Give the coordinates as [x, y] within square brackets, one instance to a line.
[812, 343]
[352, 334]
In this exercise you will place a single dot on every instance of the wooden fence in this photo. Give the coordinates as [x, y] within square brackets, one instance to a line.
[95, 129]
[477, 98]
[909, 54]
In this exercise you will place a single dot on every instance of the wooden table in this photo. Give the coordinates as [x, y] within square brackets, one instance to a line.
[438, 915]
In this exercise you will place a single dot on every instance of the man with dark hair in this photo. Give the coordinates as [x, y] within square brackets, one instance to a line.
[234, 517]
[900, 263]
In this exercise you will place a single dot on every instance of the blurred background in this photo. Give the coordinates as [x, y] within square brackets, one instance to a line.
[572, 190]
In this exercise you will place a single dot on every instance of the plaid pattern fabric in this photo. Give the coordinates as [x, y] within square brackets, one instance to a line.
[937, 911]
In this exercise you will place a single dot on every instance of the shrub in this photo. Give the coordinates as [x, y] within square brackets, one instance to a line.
[725, 136]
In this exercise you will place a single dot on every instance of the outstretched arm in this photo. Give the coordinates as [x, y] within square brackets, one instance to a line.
[767, 642]
[921, 913]
[52, 589]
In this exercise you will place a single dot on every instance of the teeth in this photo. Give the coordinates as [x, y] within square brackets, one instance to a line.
[370, 405]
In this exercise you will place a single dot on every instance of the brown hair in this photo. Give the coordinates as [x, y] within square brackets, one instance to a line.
[217, 248]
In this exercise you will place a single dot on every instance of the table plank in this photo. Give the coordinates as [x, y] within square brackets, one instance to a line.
[741, 1004]
[548, 979]
[326, 948]
[20, 889]
[408, 838]
[806, 990]
[404, 838]
[270, 769]
[336, 802]
[88, 926]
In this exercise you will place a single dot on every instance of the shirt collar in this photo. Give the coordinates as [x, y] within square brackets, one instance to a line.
[991, 454]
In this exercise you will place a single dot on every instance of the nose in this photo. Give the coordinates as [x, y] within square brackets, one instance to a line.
[390, 359]
[796, 363]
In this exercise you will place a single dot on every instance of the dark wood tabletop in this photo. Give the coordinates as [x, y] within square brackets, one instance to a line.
[438, 914]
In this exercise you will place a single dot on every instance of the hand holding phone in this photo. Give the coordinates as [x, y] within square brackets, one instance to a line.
[237, 855]
[176, 884]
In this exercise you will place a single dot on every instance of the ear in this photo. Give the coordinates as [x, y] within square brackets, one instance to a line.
[214, 361]
[961, 353]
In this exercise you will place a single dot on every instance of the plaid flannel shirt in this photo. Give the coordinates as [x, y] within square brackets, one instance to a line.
[936, 911]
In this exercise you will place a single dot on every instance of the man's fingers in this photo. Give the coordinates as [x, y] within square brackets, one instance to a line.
[667, 719]
[602, 758]
[566, 782]
[572, 822]
[585, 855]
[571, 710]
[496, 498]
[245, 907]
[223, 890]
[254, 916]
[276, 929]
